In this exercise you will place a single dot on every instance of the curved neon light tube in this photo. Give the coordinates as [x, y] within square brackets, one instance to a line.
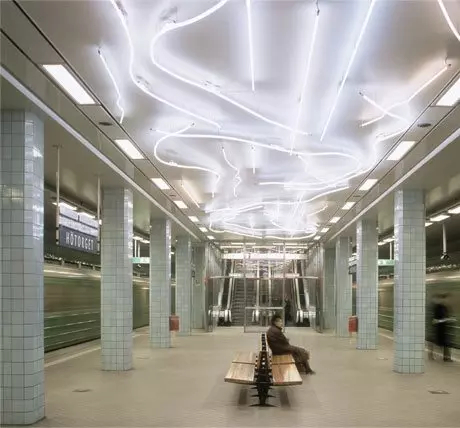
[251, 45]
[253, 154]
[385, 112]
[406, 101]
[281, 238]
[237, 177]
[114, 82]
[175, 164]
[174, 26]
[385, 137]
[139, 85]
[347, 72]
[448, 20]
[305, 80]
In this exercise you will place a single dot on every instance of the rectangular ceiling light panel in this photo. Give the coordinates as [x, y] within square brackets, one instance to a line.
[161, 184]
[210, 237]
[68, 82]
[402, 148]
[451, 97]
[348, 205]
[129, 149]
[440, 217]
[324, 229]
[334, 220]
[180, 204]
[455, 210]
[368, 184]
[203, 229]
[428, 223]
[193, 218]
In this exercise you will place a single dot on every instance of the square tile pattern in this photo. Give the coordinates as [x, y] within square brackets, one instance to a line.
[198, 288]
[21, 268]
[342, 286]
[367, 284]
[184, 284]
[329, 289]
[117, 279]
[409, 277]
[160, 282]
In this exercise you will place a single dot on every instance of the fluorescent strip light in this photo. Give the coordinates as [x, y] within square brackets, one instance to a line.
[402, 148]
[161, 184]
[66, 205]
[211, 237]
[193, 218]
[439, 217]
[334, 220]
[317, 238]
[428, 223]
[172, 253]
[236, 243]
[181, 205]
[66, 80]
[324, 230]
[129, 149]
[91, 216]
[348, 205]
[455, 210]
[137, 238]
[451, 97]
[251, 46]
[203, 229]
[350, 63]
[381, 243]
[368, 184]
[388, 240]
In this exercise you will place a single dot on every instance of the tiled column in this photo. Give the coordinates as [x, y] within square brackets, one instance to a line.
[117, 279]
[198, 288]
[409, 276]
[184, 284]
[160, 282]
[329, 288]
[367, 283]
[342, 286]
[22, 397]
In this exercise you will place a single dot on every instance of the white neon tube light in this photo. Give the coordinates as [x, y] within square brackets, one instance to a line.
[237, 179]
[253, 154]
[448, 20]
[384, 137]
[251, 45]
[387, 111]
[305, 79]
[350, 64]
[115, 85]
[69, 83]
[170, 26]
[144, 89]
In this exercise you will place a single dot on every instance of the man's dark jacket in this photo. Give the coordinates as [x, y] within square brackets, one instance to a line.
[278, 342]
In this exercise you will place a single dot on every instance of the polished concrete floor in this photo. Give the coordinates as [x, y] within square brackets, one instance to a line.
[183, 387]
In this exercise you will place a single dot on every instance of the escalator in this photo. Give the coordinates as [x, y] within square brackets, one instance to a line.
[302, 297]
[225, 297]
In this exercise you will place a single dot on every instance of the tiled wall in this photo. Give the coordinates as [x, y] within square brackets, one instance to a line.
[198, 288]
[409, 276]
[160, 282]
[367, 283]
[342, 286]
[117, 279]
[21, 268]
[329, 289]
[184, 284]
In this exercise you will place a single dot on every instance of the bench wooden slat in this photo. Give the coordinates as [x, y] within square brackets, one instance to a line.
[286, 374]
[245, 358]
[240, 373]
[282, 359]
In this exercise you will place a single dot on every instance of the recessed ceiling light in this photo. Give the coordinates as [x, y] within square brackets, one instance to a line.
[451, 97]
[180, 204]
[368, 184]
[348, 205]
[193, 218]
[68, 82]
[324, 229]
[334, 220]
[211, 237]
[439, 217]
[401, 149]
[203, 229]
[428, 223]
[129, 149]
[161, 184]
[455, 210]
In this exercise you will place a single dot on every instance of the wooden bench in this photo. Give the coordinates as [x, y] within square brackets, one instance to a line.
[263, 371]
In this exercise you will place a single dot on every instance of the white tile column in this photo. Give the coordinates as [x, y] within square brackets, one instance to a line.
[367, 283]
[22, 397]
[409, 276]
[160, 282]
[198, 288]
[329, 288]
[117, 279]
[342, 286]
[184, 284]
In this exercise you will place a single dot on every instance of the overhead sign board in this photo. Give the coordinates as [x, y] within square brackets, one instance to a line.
[380, 262]
[77, 240]
[264, 256]
[141, 260]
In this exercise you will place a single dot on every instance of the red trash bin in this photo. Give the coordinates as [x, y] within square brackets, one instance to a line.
[352, 324]
[173, 323]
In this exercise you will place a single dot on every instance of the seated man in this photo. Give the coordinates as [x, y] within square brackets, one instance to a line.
[279, 345]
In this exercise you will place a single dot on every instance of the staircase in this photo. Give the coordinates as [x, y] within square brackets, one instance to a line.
[238, 303]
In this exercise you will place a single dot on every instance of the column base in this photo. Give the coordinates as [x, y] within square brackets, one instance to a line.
[22, 418]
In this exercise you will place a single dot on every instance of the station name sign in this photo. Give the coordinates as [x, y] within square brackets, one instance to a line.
[77, 240]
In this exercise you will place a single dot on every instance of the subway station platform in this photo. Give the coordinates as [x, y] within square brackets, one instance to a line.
[184, 386]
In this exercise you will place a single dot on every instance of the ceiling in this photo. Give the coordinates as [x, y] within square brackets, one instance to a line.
[251, 111]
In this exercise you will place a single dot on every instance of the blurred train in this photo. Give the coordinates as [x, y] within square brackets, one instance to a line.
[436, 283]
